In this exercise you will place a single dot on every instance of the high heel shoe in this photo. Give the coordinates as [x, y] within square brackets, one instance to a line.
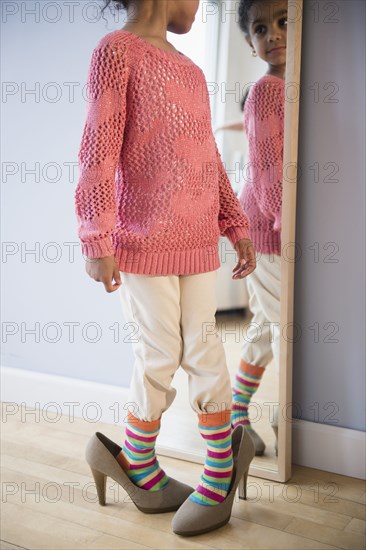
[274, 425]
[101, 453]
[195, 519]
[259, 444]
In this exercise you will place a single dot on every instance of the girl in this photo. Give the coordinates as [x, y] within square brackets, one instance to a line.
[264, 26]
[151, 202]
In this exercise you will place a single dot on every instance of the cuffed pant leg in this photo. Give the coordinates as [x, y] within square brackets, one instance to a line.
[152, 303]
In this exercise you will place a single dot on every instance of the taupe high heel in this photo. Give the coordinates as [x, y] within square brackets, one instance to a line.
[101, 455]
[274, 425]
[259, 444]
[195, 519]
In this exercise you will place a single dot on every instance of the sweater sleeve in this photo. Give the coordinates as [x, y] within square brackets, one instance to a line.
[264, 122]
[233, 223]
[101, 142]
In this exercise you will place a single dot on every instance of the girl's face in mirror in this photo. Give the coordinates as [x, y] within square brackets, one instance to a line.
[268, 31]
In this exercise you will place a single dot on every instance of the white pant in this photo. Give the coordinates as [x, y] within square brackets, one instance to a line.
[262, 339]
[175, 317]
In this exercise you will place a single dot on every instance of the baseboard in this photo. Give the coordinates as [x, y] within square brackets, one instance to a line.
[321, 446]
[330, 448]
[93, 401]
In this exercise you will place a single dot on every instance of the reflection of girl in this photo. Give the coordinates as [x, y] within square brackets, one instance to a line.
[265, 27]
[155, 227]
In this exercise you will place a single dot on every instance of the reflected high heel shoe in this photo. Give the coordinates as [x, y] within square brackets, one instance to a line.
[259, 444]
[274, 425]
[101, 453]
[195, 519]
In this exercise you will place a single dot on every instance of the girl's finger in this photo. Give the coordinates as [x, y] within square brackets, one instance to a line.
[239, 265]
[244, 270]
[117, 276]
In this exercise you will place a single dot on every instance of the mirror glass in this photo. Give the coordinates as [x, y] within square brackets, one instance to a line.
[248, 102]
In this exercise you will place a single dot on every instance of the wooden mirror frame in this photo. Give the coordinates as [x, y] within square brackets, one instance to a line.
[289, 187]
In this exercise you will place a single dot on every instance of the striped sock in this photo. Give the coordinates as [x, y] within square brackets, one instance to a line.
[246, 384]
[137, 456]
[215, 481]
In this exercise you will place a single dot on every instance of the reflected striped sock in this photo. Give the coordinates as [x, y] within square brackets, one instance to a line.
[215, 481]
[137, 456]
[247, 381]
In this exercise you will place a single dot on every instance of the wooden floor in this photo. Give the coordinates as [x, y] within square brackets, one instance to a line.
[48, 500]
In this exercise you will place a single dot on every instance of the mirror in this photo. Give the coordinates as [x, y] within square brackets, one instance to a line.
[255, 315]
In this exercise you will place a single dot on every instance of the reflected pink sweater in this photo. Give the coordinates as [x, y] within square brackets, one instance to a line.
[152, 189]
[261, 195]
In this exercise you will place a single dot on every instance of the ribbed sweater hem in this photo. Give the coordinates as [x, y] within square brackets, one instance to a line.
[267, 242]
[178, 262]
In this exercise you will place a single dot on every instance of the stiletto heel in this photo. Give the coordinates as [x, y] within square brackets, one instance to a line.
[243, 486]
[101, 485]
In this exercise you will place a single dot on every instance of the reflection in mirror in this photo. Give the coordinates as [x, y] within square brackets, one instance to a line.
[253, 51]
[254, 360]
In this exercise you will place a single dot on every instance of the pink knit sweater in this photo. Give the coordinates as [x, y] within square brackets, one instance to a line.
[152, 189]
[261, 195]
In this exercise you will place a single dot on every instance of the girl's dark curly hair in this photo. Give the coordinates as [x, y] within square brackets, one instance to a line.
[118, 4]
[243, 12]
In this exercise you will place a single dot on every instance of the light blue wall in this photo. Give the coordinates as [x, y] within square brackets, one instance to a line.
[37, 52]
[325, 292]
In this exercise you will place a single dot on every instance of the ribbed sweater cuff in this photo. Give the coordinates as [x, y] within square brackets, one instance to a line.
[235, 234]
[98, 249]
[267, 242]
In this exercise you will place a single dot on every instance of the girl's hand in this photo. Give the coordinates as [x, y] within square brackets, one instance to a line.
[246, 259]
[104, 270]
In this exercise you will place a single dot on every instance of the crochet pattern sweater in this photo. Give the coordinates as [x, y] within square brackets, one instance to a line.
[152, 190]
[261, 195]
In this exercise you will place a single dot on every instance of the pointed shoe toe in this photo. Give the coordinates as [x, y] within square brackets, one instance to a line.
[195, 519]
[101, 453]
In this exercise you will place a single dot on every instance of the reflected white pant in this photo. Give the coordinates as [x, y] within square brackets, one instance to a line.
[175, 318]
[262, 338]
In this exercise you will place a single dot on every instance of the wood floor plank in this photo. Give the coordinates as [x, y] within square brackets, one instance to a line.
[253, 536]
[349, 488]
[357, 526]
[279, 514]
[118, 519]
[4, 545]
[39, 531]
[324, 534]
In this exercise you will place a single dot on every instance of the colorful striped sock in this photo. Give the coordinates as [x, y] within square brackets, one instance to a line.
[215, 428]
[137, 456]
[246, 384]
